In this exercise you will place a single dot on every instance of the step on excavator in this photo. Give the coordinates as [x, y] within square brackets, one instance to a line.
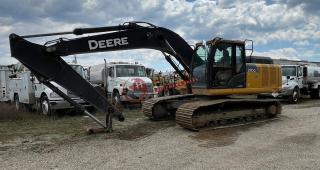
[218, 75]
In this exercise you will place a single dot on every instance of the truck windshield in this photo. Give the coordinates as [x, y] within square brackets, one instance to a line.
[130, 71]
[289, 71]
[78, 69]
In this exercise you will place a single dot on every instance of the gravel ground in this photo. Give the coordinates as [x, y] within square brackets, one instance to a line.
[290, 142]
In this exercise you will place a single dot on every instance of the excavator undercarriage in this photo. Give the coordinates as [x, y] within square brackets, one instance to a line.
[197, 112]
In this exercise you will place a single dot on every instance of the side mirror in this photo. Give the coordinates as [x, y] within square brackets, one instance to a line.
[32, 78]
[87, 73]
[288, 77]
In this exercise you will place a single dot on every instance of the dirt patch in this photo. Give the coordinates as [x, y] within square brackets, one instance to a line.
[140, 130]
[217, 138]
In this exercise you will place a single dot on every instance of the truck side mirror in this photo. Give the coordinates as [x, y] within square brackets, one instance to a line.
[32, 78]
[87, 73]
[288, 77]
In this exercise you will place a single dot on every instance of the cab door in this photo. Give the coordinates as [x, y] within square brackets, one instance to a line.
[300, 77]
[228, 69]
[239, 75]
[110, 79]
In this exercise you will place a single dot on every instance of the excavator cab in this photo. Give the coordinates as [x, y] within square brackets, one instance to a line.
[219, 64]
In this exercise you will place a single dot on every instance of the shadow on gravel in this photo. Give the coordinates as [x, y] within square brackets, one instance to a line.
[224, 137]
[303, 139]
[305, 103]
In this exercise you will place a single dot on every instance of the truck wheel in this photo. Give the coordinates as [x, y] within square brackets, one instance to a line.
[45, 106]
[38, 106]
[295, 96]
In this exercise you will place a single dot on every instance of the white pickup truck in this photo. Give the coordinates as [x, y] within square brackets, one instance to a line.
[300, 80]
[27, 92]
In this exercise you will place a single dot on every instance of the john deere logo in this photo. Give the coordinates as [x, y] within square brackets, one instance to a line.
[101, 44]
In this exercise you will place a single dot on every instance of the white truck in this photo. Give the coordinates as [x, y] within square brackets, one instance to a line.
[300, 80]
[5, 72]
[27, 92]
[123, 82]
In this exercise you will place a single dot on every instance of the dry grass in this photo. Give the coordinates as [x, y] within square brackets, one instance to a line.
[8, 113]
[25, 127]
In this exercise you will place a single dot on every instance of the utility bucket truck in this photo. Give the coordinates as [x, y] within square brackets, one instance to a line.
[28, 93]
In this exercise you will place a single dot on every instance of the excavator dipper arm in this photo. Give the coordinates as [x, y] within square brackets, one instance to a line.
[47, 65]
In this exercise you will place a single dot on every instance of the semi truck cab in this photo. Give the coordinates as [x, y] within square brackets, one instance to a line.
[292, 78]
[124, 82]
[300, 80]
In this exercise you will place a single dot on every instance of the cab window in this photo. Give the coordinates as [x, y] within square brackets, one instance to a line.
[240, 60]
[299, 71]
[199, 70]
[110, 72]
[222, 56]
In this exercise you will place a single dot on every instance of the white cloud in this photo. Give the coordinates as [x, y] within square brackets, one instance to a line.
[284, 53]
[266, 23]
[301, 43]
[176, 8]
[90, 4]
[149, 58]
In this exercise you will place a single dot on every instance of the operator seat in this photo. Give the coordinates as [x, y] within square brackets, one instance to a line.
[225, 61]
[224, 70]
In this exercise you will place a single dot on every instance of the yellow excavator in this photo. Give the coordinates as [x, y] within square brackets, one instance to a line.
[221, 81]
[218, 75]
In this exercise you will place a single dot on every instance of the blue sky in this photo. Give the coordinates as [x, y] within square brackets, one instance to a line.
[279, 28]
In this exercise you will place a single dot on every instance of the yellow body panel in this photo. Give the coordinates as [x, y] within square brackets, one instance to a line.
[260, 78]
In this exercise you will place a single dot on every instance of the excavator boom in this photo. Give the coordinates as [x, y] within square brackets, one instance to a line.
[46, 63]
